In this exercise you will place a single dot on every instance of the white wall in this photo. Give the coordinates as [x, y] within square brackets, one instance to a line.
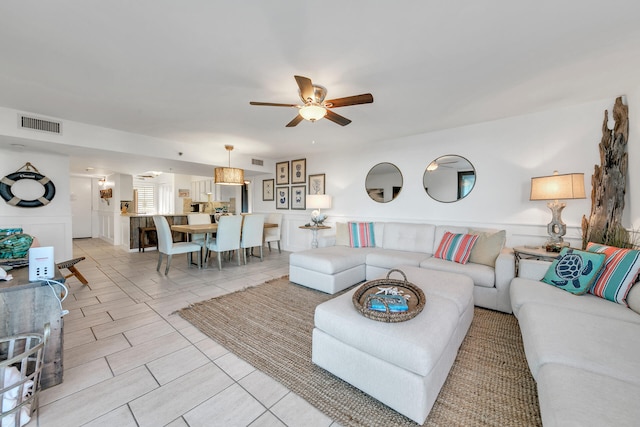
[106, 212]
[633, 175]
[51, 223]
[506, 154]
[81, 207]
[181, 182]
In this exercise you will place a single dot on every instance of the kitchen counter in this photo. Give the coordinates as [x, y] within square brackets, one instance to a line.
[131, 224]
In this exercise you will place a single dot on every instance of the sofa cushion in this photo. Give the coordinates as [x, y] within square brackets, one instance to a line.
[487, 247]
[329, 260]
[574, 271]
[431, 283]
[441, 229]
[633, 298]
[456, 247]
[576, 397]
[408, 237]
[386, 258]
[598, 344]
[620, 271]
[361, 235]
[342, 234]
[481, 275]
[524, 291]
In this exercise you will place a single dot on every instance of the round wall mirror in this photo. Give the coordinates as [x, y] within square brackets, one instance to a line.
[384, 182]
[449, 178]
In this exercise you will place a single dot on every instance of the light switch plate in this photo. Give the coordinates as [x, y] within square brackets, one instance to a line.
[41, 265]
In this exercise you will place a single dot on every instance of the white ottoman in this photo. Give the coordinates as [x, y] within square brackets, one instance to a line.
[330, 270]
[403, 365]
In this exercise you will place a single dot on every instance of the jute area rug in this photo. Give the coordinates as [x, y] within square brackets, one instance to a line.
[270, 327]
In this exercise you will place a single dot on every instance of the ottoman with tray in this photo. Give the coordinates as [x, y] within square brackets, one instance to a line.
[402, 364]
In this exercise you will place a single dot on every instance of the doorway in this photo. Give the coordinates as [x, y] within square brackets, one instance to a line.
[80, 207]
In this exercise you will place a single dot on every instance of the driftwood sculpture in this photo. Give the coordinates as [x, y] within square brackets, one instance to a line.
[608, 183]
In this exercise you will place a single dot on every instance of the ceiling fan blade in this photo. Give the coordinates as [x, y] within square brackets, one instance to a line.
[306, 87]
[365, 98]
[337, 118]
[271, 104]
[297, 119]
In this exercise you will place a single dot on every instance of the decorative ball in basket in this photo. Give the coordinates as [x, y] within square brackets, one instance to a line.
[389, 300]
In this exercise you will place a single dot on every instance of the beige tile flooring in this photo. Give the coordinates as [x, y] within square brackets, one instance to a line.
[130, 361]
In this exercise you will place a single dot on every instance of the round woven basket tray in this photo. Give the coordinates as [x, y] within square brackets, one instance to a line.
[368, 290]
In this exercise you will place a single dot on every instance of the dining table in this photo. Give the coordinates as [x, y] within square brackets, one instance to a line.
[212, 228]
[189, 229]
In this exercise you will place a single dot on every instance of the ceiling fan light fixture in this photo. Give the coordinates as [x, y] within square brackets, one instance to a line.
[312, 111]
[432, 166]
[228, 175]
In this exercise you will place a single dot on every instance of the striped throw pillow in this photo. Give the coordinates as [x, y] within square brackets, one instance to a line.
[456, 247]
[361, 235]
[621, 267]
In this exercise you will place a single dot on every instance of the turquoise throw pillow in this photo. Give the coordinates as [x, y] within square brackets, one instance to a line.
[574, 270]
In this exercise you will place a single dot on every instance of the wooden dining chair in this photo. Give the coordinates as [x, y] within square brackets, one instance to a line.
[227, 237]
[168, 247]
[252, 232]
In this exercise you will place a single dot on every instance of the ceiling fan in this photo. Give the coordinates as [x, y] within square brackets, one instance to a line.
[315, 107]
[440, 162]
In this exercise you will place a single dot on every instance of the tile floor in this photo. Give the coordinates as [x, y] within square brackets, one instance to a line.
[129, 361]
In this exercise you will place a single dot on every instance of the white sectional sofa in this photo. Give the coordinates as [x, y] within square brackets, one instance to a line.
[337, 266]
[583, 351]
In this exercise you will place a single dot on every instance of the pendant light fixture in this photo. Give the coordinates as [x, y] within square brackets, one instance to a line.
[228, 175]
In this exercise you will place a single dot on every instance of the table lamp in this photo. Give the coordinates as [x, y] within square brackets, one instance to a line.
[317, 202]
[554, 188]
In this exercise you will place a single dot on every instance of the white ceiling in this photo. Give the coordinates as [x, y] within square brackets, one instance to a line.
[186, 70]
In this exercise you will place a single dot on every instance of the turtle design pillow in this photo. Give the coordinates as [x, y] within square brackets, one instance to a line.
[574, 270]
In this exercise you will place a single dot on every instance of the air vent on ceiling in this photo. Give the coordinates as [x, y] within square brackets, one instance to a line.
[257, 162]
[34, 123]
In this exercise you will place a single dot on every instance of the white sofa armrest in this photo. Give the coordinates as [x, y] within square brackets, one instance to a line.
[505, 270]
[532, 268]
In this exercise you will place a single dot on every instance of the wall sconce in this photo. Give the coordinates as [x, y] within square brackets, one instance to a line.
[555, 187]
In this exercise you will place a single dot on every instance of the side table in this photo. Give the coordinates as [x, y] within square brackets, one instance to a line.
[26, 307]
[315, 228]
[524, 252]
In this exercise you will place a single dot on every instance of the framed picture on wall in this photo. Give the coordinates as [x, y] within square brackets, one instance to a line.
[282, 197]
[299, 171]
[298, 197]
[267, 190]
[282, 173]
[316, 184]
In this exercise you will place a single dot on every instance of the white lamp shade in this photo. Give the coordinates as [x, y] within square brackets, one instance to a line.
[318, 201]
[556, 187]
